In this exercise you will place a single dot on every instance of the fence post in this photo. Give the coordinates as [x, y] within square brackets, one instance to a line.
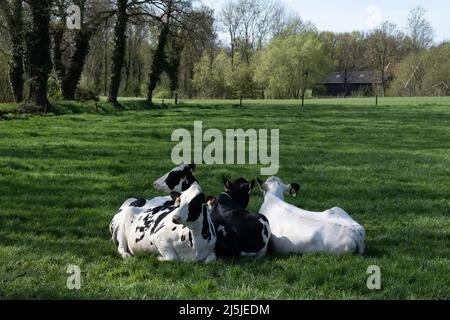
[376, 100]
[176, 98]
[240, 102]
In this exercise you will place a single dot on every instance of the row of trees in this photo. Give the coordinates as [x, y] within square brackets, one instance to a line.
[289, 56]
[159, 47]
[110, 47]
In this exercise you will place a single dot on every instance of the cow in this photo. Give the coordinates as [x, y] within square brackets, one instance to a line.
[180, 229]
[239, 233]
[295, 230]
[178, 179]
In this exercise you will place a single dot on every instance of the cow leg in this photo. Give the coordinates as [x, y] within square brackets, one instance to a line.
[123, 245]
[166, 251]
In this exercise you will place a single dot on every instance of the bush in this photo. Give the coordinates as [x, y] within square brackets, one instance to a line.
[83, 94]
[163, 94]
[54, 87]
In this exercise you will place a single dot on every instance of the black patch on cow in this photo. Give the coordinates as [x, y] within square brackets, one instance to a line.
[206, 233]
[120, 210]
[196, 207]
[138, 203]
[159, 228]
[183, 238]
[149, 220]
[160, 218]
[174, 177]
[141, 238]
[174, 228]
[190, 239]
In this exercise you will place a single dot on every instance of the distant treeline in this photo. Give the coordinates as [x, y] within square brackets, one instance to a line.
[162, 48]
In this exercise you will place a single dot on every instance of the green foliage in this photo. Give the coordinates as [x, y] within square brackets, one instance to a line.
[83, 94]
[5, 86]
[213, 78]
[162, 93]
[289, 65]
[54, 87]
[438, 70]
[63, 178]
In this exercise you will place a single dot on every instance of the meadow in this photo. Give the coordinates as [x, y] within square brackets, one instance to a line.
[63, 177]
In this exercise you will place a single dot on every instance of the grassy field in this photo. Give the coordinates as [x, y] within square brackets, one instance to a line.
[63, 177]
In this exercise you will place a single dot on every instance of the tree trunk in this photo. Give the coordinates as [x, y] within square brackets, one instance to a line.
[118, 54]
[158, 63]
[38, 54]
[16, 68]
[73, 75]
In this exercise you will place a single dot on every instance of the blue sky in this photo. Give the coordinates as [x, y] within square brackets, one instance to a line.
[348, 15]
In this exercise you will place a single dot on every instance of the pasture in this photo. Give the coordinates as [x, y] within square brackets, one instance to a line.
[62, 178]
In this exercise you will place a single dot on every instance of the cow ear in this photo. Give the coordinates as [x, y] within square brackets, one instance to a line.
[251, 185]
[192, 167]
[295, 188]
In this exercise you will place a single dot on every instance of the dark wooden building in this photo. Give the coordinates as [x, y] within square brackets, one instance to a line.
[346, 83]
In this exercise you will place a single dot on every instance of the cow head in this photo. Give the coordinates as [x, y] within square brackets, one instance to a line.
[275, 186]
[191, 204]
[178, 179]
[239, 190]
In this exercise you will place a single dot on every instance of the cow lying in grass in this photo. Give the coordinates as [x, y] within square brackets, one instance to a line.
[180, 229]
[298, 231]
[239, 233]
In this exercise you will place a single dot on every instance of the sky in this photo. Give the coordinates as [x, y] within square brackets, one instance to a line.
[350, 15]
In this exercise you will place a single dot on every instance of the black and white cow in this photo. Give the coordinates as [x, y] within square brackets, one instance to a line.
[179, 229]
[178, 179]
[239, 233]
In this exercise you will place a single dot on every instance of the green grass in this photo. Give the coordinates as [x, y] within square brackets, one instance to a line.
[63, 177]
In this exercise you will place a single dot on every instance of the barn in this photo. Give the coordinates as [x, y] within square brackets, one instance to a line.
[346, 83]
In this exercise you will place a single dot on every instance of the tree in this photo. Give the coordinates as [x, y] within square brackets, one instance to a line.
[384, 48]
[71, 48]
[420, 31]
[348, 54]
[172, 22]
[118, 54]
[250, 23]
[290, 66]
[437, 66]
[12, 11]
[37, 54]
[212, 78]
